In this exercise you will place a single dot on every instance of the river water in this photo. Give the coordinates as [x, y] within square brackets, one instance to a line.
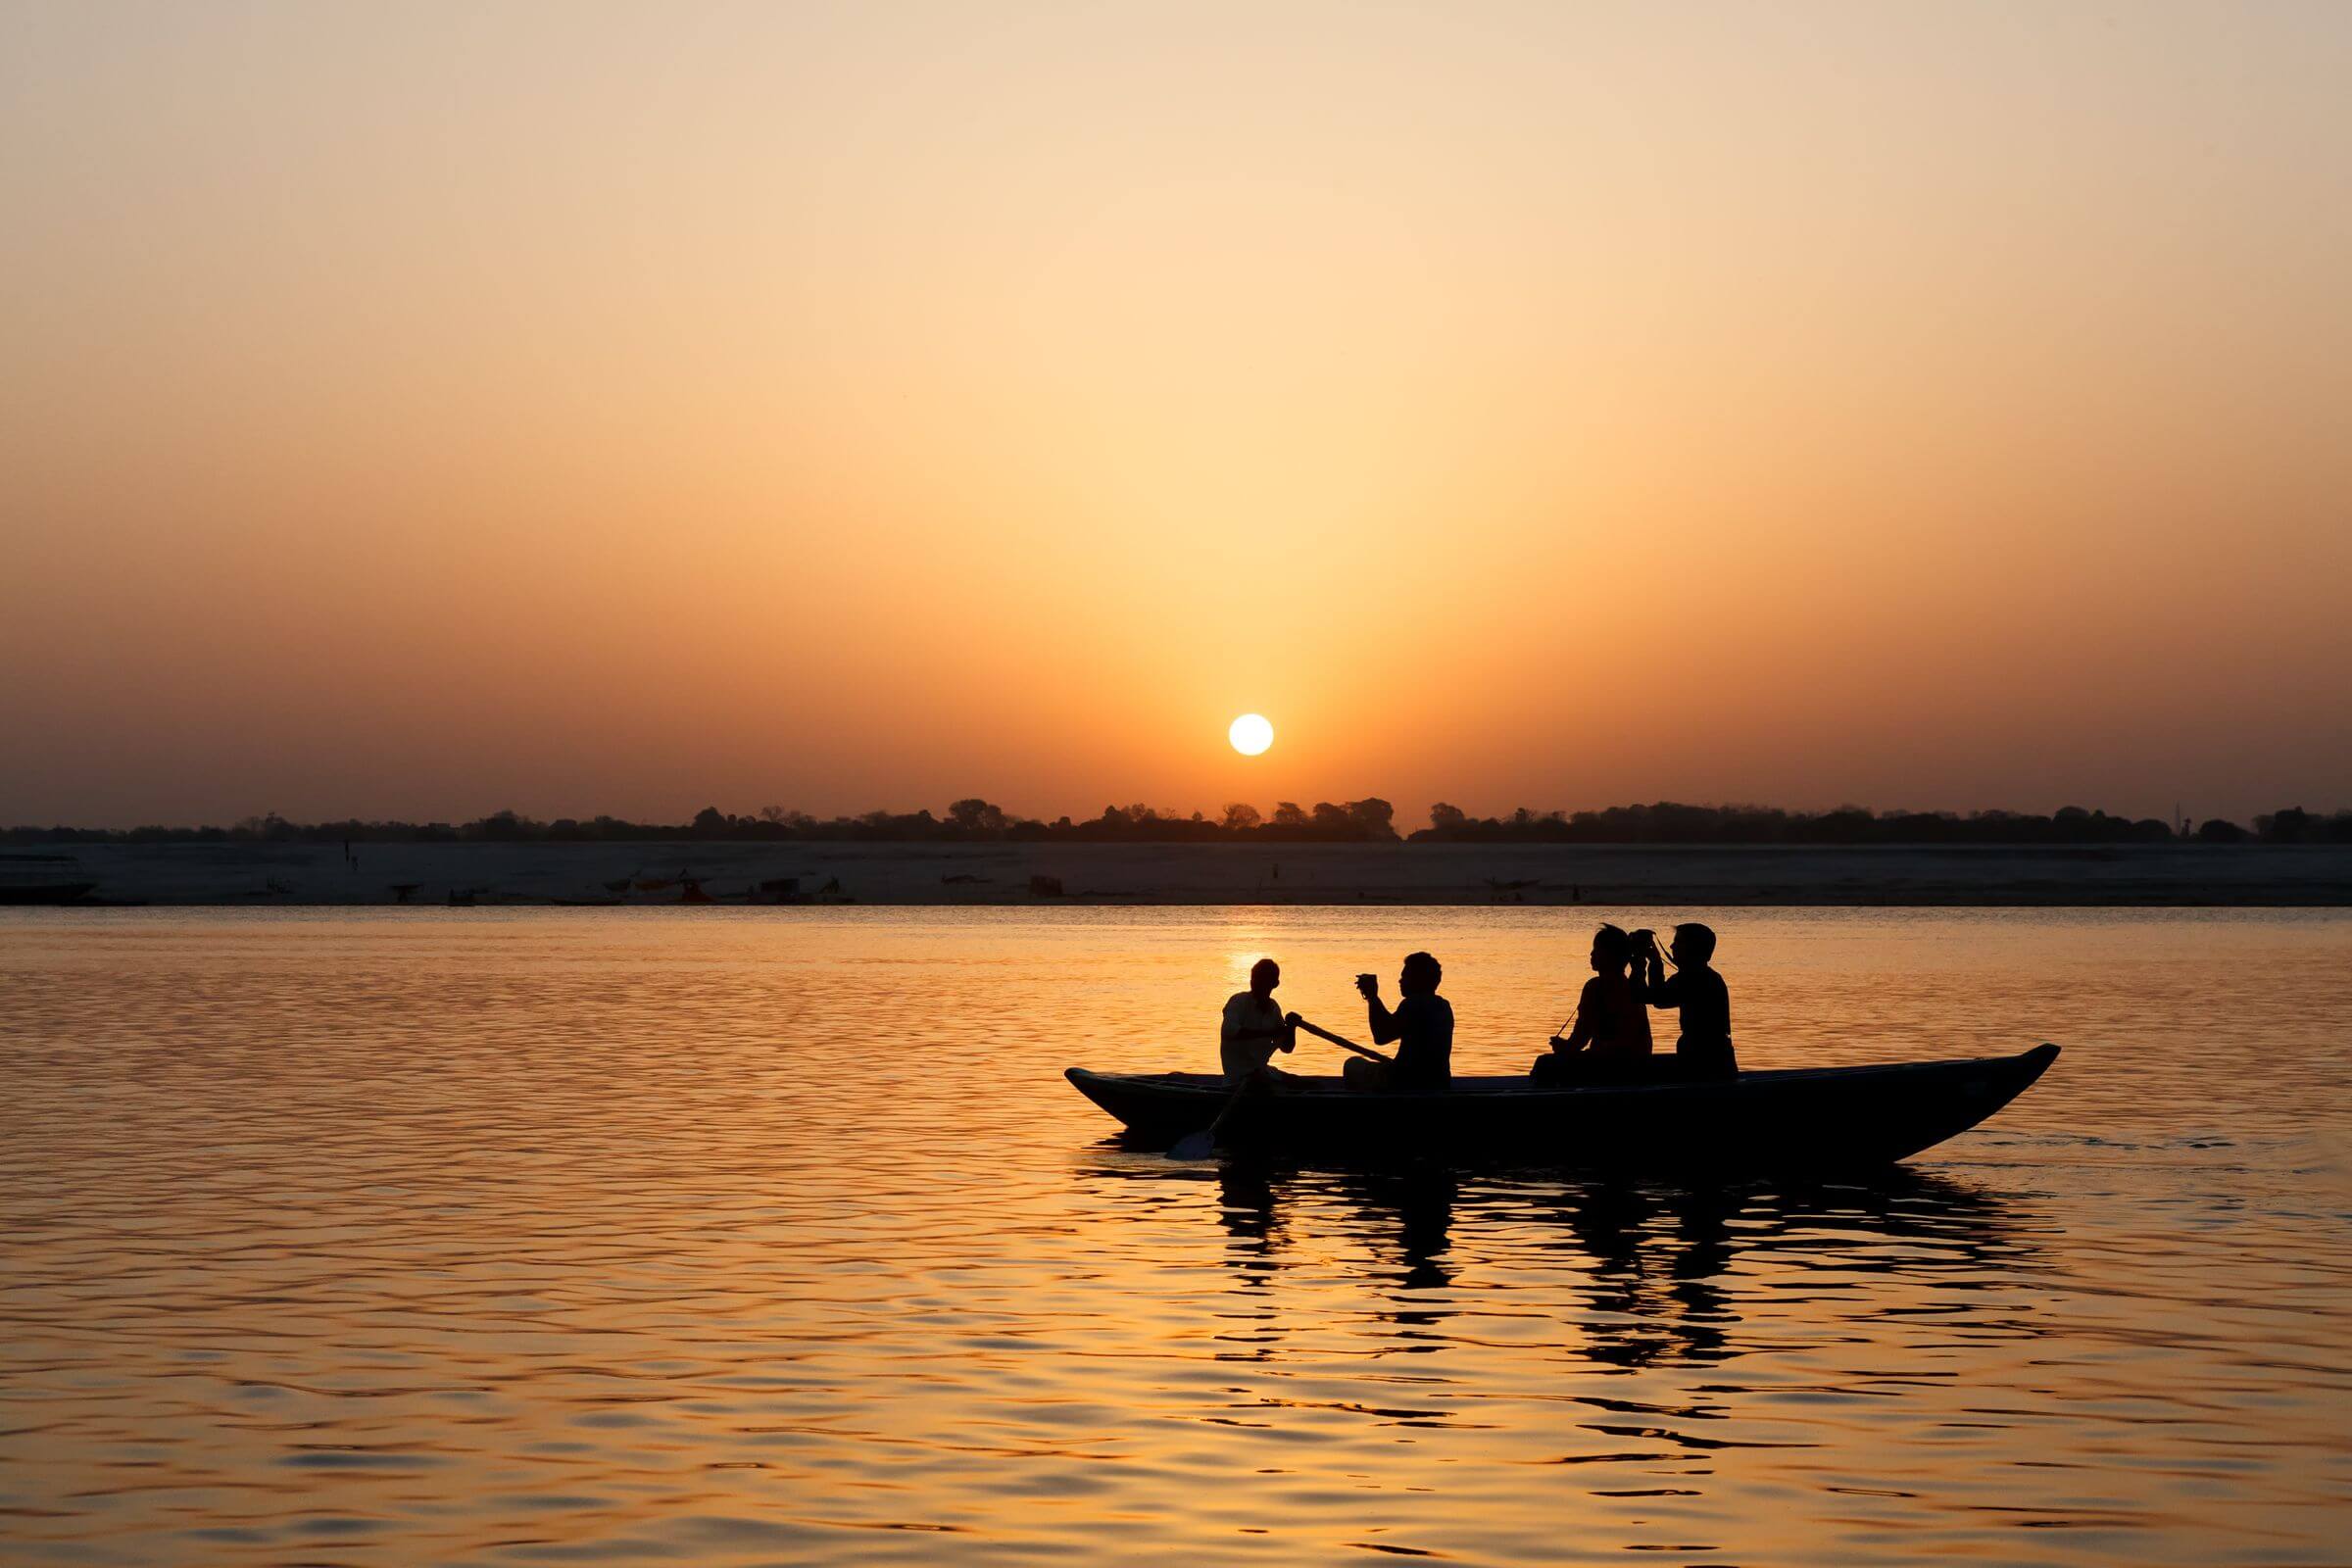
[722, 1236]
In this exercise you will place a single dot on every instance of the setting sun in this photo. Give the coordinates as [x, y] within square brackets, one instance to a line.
[1250, 734]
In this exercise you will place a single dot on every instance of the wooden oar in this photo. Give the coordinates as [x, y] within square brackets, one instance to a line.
[1202, 1143]
[1325, 1034]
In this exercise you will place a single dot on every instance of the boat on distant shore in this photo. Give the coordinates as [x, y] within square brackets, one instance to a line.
[1784, 1121]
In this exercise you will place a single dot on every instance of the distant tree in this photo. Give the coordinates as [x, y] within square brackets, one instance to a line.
[1848, 824]
[976, 815]
[1371, 819]
[2294, 825]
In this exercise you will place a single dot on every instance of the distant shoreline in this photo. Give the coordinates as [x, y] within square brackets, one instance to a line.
[664, 872]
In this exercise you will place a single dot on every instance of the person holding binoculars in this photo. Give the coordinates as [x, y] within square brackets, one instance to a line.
[1704, 1049]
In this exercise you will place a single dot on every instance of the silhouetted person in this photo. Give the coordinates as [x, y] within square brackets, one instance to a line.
[1422, 1026]
[1704, 1048]
[1254, 1028]
[1610, 1040]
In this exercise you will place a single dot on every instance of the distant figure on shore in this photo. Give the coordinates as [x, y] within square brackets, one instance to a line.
[1704, 1049]
[1609, 1042]
[1254, 1027]
[1422, 1024]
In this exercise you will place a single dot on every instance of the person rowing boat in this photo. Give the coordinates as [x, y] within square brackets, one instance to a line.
[1254, 1027]
[1252, 1030]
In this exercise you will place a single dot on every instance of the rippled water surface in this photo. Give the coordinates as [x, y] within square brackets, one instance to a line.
[775, 1236]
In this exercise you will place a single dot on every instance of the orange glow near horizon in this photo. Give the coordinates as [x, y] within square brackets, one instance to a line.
[585, 408]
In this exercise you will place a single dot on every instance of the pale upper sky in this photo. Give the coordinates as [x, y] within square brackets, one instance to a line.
[419, 410]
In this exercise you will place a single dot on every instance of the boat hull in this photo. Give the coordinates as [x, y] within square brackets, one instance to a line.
[46, 892]
[1801, 1121]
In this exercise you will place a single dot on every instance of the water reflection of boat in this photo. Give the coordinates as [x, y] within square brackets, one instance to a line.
[1412, 1209]
[1790, 1121]
[1665, 1272]
[1662, 1260]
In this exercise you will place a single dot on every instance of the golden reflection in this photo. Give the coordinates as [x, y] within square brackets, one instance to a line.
[776, 1236]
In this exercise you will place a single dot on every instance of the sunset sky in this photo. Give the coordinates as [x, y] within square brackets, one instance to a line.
[419, 409]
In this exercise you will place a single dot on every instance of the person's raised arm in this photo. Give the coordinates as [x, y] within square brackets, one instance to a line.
[1385, 1027]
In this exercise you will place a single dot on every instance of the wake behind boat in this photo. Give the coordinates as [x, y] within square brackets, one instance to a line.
[1792, 1120]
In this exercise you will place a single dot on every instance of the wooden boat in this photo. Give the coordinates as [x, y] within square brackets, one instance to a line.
[1797, 1120]
[45, 892]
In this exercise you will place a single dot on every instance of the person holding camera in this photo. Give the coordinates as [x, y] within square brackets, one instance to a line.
[1422, 1025]
[1704, 1050]
[1609, 1042]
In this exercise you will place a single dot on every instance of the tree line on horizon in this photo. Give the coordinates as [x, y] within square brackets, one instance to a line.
[1369, 820]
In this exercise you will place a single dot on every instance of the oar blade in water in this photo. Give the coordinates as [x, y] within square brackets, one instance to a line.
[1194, 1145]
